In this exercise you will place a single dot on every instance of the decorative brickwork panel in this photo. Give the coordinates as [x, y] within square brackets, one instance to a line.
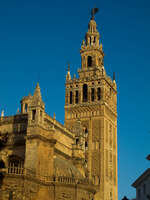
[95, 163]
[96, 126]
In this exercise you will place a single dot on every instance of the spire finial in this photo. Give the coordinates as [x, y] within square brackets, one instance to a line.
[68, 67]
[37, 92]
[93, 12]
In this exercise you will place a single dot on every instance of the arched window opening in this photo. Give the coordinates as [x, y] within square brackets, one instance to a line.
[89, 61]
[92, 94]
[77, 140]
[77, 97]
[33, 114]
[70, 97]
[86, 131]
[26, 107]
[94, 40]
[98, 93]
[2, 164]
[85, 93]
[86, 145]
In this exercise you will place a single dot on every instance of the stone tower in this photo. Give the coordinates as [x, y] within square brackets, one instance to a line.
[38, 139]
[92, 99]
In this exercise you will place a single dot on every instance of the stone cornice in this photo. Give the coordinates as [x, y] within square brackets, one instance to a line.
[42, 138]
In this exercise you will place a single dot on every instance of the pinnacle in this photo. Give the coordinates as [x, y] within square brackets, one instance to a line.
[37, 92]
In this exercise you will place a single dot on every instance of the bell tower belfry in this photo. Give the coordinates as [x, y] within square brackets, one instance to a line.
[92, 99]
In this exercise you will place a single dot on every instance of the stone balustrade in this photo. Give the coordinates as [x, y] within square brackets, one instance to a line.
[19, 171]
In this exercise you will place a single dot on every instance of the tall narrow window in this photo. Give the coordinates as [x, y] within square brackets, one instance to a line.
[92, 94]
[98, 93]
[86, 145]
[89, 61]
[71, 97]
[10, 195]
[86, 131]
[26, 107]
[77, 140]
[33, 114]
[85, 93]
[77, 97]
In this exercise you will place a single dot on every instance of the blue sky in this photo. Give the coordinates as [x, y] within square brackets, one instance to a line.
[38, 39]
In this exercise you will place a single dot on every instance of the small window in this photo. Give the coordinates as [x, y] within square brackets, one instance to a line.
[85, 93]
[77, 140]
[98, 93]
[94, 40]
[71, 97]
[26, 107]
[33, 114]
[77, 97]
[92, 94]
[86, 144]
[86, 131]
[10, 195]
[89, 61]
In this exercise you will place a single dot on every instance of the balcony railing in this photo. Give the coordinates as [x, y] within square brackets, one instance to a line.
[19, 171]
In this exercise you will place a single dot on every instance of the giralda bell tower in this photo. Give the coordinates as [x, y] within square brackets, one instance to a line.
[92, 99]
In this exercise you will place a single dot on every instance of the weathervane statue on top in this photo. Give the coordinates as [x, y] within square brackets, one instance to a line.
[93, 12]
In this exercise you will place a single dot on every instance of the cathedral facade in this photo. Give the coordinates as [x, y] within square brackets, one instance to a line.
[41, 159]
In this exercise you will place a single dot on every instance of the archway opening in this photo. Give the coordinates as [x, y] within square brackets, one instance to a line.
[85, 93]
[89, 61]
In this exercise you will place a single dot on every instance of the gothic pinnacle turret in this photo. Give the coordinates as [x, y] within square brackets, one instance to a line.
[37, 92]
